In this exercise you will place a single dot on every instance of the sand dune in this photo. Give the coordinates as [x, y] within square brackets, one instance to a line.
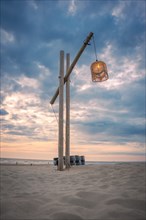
[101, 192]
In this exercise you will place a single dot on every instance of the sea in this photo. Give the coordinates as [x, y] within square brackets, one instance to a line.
[13, 161]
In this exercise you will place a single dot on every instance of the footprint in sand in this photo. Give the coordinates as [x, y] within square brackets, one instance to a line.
[104, 186]
[128, 203]
[63, 216]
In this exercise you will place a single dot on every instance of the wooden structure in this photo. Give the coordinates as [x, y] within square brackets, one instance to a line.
[99, 73]
[60, 91]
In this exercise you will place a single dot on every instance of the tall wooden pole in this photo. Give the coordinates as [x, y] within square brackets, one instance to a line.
[67, 149]
[61, 102]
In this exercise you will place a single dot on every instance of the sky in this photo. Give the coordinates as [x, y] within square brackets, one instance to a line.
[107, 118]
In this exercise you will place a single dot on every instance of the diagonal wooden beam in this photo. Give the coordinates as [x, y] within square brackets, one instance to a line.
[72, 65]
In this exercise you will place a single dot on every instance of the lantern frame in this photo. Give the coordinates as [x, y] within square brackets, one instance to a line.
[99, 71]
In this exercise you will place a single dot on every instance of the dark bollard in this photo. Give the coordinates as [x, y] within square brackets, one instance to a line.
[77, 160]
[72, 160]
[55, 161]
[82, 160]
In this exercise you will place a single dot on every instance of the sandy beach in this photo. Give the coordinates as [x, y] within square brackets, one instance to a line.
[101, 192]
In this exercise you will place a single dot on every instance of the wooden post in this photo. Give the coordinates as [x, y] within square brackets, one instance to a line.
[61, 102]
[67, 152]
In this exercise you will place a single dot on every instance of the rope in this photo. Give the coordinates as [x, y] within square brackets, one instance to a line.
[95, 48]
[54, 114]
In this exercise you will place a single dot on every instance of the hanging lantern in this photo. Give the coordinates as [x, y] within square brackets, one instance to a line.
[99, 71]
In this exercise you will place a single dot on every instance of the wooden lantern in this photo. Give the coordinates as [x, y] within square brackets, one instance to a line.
[99, 71]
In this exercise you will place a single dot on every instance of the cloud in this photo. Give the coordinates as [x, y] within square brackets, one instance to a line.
[6, 37]
[3, 112]
[121, 11]
[110, 110]
[25, 82]
[44, 72]
[118, 10]
[29, 117]
[72, 7]
[33, 4]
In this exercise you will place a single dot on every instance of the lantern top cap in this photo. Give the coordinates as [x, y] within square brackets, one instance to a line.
[99, 62]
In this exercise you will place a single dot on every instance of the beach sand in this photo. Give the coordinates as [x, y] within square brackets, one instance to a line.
[101, 192]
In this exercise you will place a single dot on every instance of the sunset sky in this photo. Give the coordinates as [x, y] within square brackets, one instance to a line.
[108, 118]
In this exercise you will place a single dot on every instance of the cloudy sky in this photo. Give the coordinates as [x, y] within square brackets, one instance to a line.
[108, 118]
